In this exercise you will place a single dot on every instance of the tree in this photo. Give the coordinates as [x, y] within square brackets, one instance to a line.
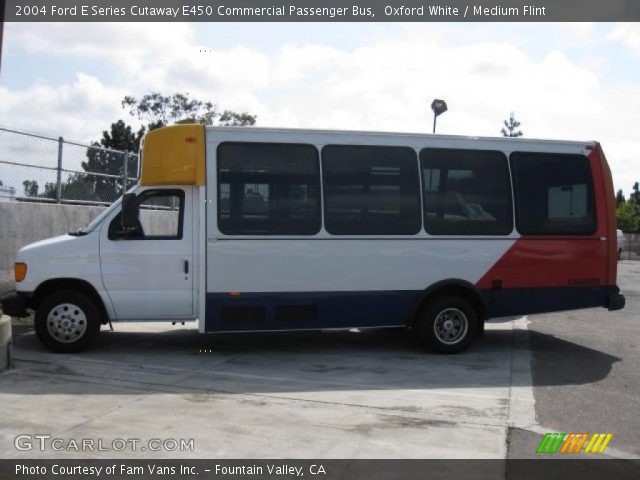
[121, 138]
[510, 128]
[635, 196]
[619, 198]
[628, 215]
[628, 212]
[159, 110]
[156, 111]
[30, 188]
[87, 186]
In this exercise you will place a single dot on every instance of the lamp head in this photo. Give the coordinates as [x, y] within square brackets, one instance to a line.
[438, 106]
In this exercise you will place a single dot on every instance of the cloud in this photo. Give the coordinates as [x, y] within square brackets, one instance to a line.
[76, 110]
[386, 84]
[628, 34]
[129, 47]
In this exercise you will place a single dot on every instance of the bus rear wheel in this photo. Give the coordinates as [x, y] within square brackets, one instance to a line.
[67, 321]
[447, 324]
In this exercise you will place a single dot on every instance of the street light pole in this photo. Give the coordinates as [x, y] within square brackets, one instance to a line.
[439, 107]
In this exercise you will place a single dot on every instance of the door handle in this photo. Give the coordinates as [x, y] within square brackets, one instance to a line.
[186, 267]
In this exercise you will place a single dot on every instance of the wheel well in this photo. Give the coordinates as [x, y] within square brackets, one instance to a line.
[54, 285]
[458, 288]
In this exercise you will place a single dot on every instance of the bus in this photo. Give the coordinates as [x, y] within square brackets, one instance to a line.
[265, 230]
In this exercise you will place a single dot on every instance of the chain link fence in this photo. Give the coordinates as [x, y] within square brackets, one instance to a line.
[36, 167]
[630, 249]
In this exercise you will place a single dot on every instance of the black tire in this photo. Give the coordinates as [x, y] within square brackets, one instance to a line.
[67, 321]
[449, 308]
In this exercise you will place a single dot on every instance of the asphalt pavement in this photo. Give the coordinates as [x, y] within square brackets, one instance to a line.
[586, 372]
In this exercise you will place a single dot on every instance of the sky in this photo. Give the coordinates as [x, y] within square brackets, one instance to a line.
[563, 81]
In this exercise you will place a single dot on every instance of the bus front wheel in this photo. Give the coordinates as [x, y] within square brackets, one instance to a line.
[447, 324]
[67, 321]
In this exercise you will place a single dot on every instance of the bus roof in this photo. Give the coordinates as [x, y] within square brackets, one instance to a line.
[176, 155]
[417, 135]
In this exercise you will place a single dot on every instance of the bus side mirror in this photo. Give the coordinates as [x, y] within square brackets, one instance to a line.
[130, 212]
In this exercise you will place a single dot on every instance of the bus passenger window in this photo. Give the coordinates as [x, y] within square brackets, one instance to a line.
[466, 192]
[554, 194]
[268, 189]
[371, 190]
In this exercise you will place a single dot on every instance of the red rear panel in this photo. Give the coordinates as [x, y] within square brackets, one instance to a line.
[610, 214]
[548, 273]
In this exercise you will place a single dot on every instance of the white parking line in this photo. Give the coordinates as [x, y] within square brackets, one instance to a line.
[522, 404]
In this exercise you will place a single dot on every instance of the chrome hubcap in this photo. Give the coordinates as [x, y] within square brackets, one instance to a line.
[66, 323]
[451, 326]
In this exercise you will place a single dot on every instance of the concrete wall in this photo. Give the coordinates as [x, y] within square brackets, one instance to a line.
[22, 223]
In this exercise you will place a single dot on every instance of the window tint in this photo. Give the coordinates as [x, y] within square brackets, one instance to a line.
[371, 190]
[160, 217]
[268, 189]
[466, 192]
[554, 194]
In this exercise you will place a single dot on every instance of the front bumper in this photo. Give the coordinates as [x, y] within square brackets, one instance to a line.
[14, 304]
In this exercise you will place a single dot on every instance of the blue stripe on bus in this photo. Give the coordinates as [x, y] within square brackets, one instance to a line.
[324, 310]
[333, 309]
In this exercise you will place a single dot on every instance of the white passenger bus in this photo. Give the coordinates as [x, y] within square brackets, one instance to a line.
[247, 229]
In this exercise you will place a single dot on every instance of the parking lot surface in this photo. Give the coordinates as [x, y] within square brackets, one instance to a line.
[369, 394]
[586, 371]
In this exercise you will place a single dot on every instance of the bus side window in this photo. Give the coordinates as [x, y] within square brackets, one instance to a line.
[554, 194]
[371, 190]
[466, 192]
[268, 189]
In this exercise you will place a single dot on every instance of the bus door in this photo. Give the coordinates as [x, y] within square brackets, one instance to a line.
[149, 273]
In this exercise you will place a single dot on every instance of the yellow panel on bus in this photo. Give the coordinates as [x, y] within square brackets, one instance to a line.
[174, 155]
